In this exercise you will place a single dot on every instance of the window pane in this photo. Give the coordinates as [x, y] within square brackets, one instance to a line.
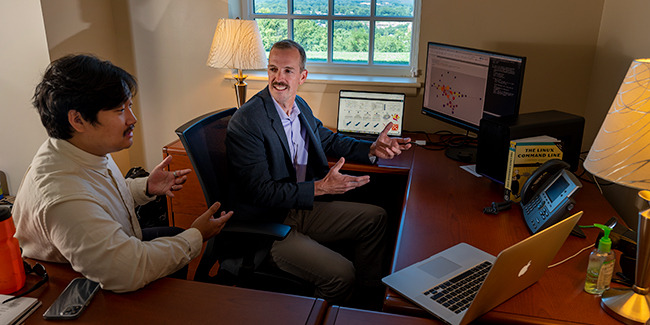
[272, 30]
[310, 7]
[352, 7]
[392, 42]
[270, 7]
[351, 38]
[312, 35]
[394, 8]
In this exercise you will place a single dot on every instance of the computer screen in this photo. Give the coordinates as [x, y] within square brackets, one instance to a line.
[368, 112]
[463, 85]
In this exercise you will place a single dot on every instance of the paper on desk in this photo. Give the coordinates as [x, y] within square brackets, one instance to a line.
[471, 169]
[16, 311]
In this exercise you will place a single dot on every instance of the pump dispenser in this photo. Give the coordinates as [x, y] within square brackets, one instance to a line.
[601, 264]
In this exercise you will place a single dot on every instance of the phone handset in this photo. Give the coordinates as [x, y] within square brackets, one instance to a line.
[547, 195]
[539, 177]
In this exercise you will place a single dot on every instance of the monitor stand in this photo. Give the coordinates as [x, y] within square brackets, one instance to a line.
[465, 153]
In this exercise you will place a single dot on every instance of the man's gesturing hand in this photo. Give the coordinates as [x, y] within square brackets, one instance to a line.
[208, 225]
[386, 147]
[336, 183]
[162, 182]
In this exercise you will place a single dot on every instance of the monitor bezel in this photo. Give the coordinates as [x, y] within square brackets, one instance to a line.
[461, 123]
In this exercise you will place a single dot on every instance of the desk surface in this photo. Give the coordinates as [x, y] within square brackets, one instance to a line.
[444, 206]
[337, 315]
[177, 301]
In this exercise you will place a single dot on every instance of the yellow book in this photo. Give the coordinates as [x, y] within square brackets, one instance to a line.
[524, 156]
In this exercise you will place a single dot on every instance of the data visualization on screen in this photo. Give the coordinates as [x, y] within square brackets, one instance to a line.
[369, 112]
[463, 85]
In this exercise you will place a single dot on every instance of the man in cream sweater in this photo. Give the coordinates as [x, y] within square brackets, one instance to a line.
[74, 206]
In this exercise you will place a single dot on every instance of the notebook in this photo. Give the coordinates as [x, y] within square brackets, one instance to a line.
[364, 114]
[17, 311]
[512, 271]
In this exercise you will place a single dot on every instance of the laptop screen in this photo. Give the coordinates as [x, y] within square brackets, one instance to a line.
[365, 112]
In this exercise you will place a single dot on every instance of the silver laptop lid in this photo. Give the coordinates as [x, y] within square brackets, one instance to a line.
[519, 266]
[513, 270]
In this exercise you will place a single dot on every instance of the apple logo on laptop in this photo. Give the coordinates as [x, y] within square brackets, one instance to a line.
[524, 269]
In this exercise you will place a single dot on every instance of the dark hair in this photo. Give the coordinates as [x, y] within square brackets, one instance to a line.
[289, 44]
[82, 83]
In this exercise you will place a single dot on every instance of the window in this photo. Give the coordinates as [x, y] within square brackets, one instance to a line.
[344, 36]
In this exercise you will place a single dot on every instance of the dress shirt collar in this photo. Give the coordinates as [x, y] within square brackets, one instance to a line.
[295, 111]
[86, 159]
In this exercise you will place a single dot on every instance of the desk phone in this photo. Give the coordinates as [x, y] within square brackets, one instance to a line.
[546, 195]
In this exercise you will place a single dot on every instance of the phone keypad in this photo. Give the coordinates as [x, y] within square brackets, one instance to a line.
[537, 205]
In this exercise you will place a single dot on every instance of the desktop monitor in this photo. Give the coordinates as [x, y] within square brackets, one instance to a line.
[463, 85]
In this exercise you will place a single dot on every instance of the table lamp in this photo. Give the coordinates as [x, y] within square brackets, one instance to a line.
[621, 154]
[237, 44]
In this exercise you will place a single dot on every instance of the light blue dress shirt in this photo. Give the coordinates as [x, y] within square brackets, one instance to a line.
[297, 138]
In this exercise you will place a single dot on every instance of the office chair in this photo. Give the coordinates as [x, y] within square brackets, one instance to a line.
[242, 246]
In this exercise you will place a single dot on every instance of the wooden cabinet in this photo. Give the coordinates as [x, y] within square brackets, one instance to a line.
[188, 203]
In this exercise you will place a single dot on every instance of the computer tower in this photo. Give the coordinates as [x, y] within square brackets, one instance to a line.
[495, 135]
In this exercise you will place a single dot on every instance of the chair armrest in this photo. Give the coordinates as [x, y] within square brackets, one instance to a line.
[273, 230]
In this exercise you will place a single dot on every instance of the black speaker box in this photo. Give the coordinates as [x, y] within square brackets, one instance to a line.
[495, 135]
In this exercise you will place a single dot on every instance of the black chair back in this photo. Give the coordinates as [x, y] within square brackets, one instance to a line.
[204, 139]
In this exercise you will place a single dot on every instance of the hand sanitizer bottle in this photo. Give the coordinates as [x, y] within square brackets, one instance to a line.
[601, 264]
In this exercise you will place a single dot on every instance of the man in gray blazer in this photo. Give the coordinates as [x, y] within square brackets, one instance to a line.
[278, 155]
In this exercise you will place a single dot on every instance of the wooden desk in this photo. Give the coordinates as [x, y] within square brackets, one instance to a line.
[173, 301]
[348, 316]
[444, 207]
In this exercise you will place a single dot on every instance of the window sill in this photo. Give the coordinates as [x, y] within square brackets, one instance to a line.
[407, 85]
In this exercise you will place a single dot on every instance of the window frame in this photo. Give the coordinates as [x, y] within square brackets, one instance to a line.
[347, 68]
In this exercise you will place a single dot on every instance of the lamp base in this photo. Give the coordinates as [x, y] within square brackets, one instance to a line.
[240, 89]
[626, 305]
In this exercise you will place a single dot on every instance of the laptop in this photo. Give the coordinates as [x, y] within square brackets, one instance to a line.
[427, 282]
[364, 114]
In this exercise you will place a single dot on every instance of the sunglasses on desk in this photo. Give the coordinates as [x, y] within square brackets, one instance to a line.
[40, 271]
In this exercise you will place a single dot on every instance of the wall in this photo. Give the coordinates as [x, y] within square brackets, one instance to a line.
[22, 61]
[557, 37]
[623, 37]
[102, 28]
[171, 44]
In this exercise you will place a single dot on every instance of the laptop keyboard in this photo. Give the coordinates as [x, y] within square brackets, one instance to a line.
[457, 293]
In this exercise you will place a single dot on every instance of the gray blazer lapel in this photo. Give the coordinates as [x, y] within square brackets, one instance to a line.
[276, 123]
[313, 137]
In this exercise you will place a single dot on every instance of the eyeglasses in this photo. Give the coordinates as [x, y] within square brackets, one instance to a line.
[40, 271]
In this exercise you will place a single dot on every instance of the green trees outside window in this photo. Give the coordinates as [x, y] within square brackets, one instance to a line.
[376, 32]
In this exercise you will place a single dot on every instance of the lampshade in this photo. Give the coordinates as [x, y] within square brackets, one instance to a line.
[237, 44]
[621, 151]
[621, 154]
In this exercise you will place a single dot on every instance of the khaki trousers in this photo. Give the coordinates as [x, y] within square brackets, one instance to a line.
[304, 253]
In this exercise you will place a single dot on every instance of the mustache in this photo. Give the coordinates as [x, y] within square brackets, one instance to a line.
[129, 129]
[280, 84]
